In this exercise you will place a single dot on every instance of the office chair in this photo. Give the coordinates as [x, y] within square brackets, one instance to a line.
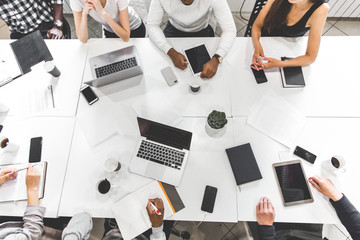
[259, 4]
[66, 29]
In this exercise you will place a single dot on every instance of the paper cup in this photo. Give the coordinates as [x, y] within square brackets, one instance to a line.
[112, 165]
[52, 69]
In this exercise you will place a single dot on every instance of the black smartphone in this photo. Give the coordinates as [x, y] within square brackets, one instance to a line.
[304, 154]
[1, 127]
[209, 199]
[35, 149]
[89, 94]
[259, 75]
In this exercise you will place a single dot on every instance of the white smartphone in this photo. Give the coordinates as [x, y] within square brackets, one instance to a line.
[169, 76]
[89, 94]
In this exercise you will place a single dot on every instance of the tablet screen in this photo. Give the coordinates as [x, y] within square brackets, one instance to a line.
[292, 183]
[197, 57]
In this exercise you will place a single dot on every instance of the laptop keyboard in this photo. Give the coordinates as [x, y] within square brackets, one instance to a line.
[161, 154]
[115, 67]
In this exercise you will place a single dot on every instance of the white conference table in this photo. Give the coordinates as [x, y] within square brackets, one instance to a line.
[57, 136]
[29, 94]
[332, 82]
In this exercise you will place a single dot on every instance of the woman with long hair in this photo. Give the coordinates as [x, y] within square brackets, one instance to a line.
[289, 18]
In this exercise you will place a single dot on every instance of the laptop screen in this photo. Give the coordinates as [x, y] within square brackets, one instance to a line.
[164, 134]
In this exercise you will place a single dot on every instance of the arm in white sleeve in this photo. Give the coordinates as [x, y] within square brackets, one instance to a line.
[154, 19]
[158, 233]
[225, 19]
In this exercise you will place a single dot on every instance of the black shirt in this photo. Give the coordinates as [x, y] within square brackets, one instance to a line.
[298, 29]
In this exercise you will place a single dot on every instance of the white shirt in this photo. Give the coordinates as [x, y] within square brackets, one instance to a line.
[191, 18]
[113, 8]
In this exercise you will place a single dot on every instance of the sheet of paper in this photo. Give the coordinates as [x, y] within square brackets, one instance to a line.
[14, 190]
[97, 126]
[131, 214]
[275, 117]
[34, 101]
[155, 107]
[8, 64]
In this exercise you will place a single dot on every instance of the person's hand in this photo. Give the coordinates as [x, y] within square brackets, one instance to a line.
[54, 33]
[265, 212]
[326, 187]
[156, 220]
[272, 63]
[6, 175]
[88, 6]
[210, 68]
[178, 59]
[257, 58]
[97, 5]
[32, 178]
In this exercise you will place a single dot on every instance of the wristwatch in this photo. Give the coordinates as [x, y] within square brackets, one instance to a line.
[219, 58]
[58, 24]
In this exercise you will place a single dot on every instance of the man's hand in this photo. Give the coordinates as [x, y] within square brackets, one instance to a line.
[178, 59]
[54, 33]
[326, 187]
[210, 68]
[6, 176]
[265, 212]
[156, 220]
[32, 184]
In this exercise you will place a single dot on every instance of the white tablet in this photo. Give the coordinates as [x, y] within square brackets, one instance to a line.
[292, 183]
[197, 57]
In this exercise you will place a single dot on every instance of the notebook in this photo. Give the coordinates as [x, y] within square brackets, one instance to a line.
[15, 190]
[243, 164]
[131, 214]
[292, 77]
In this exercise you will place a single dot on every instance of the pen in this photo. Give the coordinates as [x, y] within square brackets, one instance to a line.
[8, 80]
[19, 170]
[155, 208]
[52, 95]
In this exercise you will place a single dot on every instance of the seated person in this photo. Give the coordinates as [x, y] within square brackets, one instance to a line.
[32, 225]
[27, 16]
[190, 18]
[349, 216]
[289, 18]
[80, 225]
[118, 20]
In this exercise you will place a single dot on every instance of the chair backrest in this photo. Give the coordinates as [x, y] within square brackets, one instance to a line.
[259, 4]
[141, 7]
[66, 29]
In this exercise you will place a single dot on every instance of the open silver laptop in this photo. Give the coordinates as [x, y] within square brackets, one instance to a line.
[161, 152]
[114, 66]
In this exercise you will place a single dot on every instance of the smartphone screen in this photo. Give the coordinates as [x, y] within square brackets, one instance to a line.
[35, 150]
[89, 95]
[259, 75]
[209, 199]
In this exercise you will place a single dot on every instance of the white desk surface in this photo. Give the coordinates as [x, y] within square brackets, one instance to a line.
[57, 134]
[331, 84]
[69, 56]
[325, 137]
[215, 93]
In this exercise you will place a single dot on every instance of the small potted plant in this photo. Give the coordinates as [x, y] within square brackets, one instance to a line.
[216, 122]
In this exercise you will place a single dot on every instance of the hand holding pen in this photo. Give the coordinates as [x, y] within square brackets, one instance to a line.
[6, 175]
[155, 209]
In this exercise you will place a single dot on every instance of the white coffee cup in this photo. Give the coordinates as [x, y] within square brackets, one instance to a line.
[336, 163]
[7, 146]
[195, 83]
[112, 165]
[51, 68]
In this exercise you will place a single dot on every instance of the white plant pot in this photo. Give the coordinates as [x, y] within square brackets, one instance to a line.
[216, 133]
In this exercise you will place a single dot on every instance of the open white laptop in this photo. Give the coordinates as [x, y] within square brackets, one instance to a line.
[114, 66]
[161, 152]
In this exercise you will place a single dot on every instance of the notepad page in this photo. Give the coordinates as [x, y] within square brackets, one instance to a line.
[15, 190]
[131, 214]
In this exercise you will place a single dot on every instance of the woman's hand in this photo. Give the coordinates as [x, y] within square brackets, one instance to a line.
[272, 63]
[257, 58]
[88, 7]
[6, 175]
[97, 5]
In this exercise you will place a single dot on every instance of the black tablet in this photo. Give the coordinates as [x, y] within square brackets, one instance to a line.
[197, 57]
[292, 182]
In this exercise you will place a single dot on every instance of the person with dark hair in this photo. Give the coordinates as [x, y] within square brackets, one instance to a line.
[190, 18]
[118, 19]
[347, 213]
[26, 16]
[289, 18]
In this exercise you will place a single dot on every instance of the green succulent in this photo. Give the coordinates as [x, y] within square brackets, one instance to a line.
[217, 119]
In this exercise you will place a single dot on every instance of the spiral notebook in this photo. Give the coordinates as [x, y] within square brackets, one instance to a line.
[15, 190]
